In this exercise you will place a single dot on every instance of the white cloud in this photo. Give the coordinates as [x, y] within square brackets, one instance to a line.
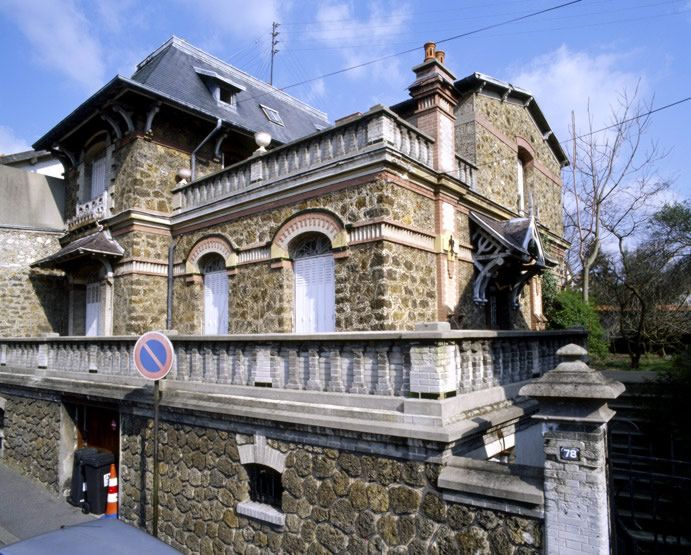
[10, 143]
[239, 18]
[60, 37]
[566, 80]
[339, 28]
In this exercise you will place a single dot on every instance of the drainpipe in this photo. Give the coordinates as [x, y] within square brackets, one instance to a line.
[193, 161]
[169, 303]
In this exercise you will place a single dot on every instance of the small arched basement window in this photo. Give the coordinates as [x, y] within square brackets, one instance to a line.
[265, 485]
[213, 268]
[314, 287]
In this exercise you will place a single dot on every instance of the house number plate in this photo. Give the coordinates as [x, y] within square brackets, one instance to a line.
[570, 453]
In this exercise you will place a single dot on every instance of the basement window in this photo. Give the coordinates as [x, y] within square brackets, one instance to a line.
[265, 485]
[272, 115]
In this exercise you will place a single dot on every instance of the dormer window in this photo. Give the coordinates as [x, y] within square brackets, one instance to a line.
[222, 89]
[272, 115]
[94, 170]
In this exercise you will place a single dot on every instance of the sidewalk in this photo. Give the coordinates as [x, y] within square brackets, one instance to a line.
[28, 509]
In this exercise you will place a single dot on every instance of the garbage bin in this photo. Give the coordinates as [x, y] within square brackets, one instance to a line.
[96, 471]
[78, 487]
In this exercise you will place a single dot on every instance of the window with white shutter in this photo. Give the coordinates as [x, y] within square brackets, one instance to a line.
[315, 306]
[215, 296]
[93, 308]
[98, 176]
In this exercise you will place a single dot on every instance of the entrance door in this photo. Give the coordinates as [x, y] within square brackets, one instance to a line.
[93, 308]
[315, 294]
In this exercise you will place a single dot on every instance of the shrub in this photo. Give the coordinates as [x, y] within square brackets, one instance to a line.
[568, 310]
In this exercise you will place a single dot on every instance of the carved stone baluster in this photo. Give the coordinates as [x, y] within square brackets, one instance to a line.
[400, 379]
[358, 385]
[224, 371]
[487, 366]
[239, 368]
[209, 368]
[507, 372]
[497, 363]
[465, 379]
[314, 382]
[515, 363]
[196, 370]
[294, 381]
[335, 375]
[383, 375]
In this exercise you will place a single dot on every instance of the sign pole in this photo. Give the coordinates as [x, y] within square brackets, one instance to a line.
[154, 356]
[155, 486]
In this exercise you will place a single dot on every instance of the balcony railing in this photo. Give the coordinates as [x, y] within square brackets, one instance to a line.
[375, 130]
[374, 363]
[90, 211]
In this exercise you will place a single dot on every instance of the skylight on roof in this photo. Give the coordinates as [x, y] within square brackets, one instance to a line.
[272, 115]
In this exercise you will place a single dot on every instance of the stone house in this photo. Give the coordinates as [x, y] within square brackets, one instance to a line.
[320, 400]
[444, 207]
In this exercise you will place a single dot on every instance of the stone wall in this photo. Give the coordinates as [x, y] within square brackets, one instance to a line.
[144, 174]
[33, 301]
[139, 303]
[334, 500]
[487, 133]
[32, 438]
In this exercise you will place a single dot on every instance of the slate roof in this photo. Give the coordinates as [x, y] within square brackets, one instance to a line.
[176, 72]
[99, 243]
[173, 69]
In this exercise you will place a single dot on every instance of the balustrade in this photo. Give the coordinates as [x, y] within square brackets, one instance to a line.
[375, 130]
[373, 363]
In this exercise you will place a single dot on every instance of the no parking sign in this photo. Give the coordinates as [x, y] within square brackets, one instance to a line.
[153, 355]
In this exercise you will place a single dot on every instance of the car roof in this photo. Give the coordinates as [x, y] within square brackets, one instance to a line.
[103, 535]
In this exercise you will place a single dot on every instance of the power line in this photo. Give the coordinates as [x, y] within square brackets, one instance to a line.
[408, 51]
[447, 39]
[612, 126]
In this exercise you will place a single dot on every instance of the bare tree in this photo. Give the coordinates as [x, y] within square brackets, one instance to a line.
[613, 179]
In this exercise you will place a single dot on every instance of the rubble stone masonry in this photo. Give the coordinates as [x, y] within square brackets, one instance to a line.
[30, 305]
[334, 500]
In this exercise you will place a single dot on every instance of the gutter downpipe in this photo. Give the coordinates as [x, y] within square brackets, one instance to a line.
[193, 160]
[169, 297]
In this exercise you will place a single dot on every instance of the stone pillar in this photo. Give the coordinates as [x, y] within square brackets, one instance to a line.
[573, 407]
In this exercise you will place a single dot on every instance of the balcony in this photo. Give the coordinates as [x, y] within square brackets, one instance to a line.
[378, 135]
[423, 384]
[90, 211]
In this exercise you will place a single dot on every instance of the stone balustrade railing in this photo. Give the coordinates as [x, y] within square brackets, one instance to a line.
[374, 130]
[429, 364]
[95, 209]
[466, 171]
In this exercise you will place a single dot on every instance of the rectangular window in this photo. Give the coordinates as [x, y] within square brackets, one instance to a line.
[272, 115]
[93, 309]
[98, 176]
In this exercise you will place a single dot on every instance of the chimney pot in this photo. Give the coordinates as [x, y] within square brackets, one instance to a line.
[440, 55]
[430, 48]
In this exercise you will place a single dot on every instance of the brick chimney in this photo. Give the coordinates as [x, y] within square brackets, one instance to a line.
[435, 100]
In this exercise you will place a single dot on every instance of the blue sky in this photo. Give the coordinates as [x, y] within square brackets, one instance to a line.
[55, 53]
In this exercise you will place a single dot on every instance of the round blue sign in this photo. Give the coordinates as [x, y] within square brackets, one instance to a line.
[153, 355]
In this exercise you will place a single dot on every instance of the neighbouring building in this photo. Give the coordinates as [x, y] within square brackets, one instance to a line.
[353, 306]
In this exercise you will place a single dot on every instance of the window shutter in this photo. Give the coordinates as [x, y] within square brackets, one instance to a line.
[314, 294]
[93, 309]
[98, 176]
[216, 303]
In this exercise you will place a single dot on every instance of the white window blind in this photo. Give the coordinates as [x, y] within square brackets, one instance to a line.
[315, 294]
[521, 186]
[216, 303]
[98, 176]
[93, 309]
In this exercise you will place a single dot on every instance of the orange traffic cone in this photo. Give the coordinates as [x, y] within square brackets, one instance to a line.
[112, 501]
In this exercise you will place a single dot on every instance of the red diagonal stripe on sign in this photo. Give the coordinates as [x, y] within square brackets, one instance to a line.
[153, 356]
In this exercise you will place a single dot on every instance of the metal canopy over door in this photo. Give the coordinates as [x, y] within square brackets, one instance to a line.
[315, 294]
[93, 308]
[216, 303]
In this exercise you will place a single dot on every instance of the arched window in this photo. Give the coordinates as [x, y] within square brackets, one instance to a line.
[96, 167]
[524, 161]
[314, 288]
[265, 485]
[213, 268]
